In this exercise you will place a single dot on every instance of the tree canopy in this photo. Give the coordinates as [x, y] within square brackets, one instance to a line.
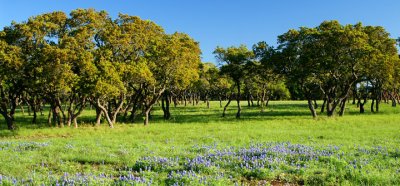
[123, 67]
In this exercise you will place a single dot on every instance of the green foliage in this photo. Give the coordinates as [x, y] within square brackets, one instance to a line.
[234, 60]
[331, 58]
[88, 57]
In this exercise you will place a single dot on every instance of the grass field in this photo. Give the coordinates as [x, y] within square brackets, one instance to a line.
[199, 147]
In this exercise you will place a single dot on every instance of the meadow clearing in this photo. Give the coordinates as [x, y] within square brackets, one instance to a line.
[199, 147]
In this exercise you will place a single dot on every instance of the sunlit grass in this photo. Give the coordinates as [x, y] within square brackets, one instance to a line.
[101, 150]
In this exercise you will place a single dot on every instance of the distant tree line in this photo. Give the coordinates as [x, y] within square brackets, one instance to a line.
[123, 67]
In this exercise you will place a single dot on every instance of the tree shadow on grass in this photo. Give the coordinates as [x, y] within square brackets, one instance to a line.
[185, 114]
[180, 114]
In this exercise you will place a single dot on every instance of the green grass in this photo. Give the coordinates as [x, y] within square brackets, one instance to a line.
[364, 147]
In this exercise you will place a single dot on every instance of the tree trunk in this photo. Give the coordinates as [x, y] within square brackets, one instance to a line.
[34, 116]
[49, 118]
[315, 104]
[220, 101]
[9, 119]
[22, 109]
[105, 113]
[146, 116]
[394, 101]
[119, 106]
[10, 123]
[197, 99]
[69, 113]
[148, 105]
[61, 114]
[55, 115]
[126, 111]
[323, 106]
[41, 108]
[329, 108]
[362, 110]
[311, 107]
[98, 116]
[354, 93]
[29, 109]
[175, 100]
[238, 101]
[163, 107]
[248, 100]
[165, 102]
[262, 100]
[73, 116]
[331, 105]
[372, 105]
[226, 106]
[135, 105]
[69, 119]
[267, 102]
[342, 107]
[377, 104]
[167, 105]
[207, 101]
[75, 122]
[132, 117]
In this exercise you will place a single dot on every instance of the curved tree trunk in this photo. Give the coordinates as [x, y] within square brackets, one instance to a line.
[148, 105]
[323, 106]
[105, 113]
[10, 123]
[227, 104]
[342, 107]
[267, 102]
[315, 104]
[311, 107]
[22, 108]
[9, 120]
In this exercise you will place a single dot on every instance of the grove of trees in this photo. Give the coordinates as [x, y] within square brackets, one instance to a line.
[123, 67]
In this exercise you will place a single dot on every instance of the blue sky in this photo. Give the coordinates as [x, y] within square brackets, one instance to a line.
[224, 22]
